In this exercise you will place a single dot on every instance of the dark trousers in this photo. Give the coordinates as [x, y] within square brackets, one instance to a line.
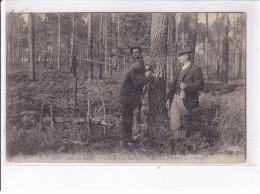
[127, 120]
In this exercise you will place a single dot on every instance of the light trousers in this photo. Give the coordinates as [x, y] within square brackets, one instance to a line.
[177, 115]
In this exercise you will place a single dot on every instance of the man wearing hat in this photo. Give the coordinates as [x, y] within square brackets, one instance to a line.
[183, 95]
[131, 93]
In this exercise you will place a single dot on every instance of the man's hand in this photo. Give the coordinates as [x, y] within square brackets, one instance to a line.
[183, 85]
[168, 104]
[145, 88]
[148, 73]
[147, 67]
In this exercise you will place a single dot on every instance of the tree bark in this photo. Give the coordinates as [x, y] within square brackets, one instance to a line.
[105, 41]
[45, 42]
[118, 41]
[31, 47]
[218, 57]
[192, 34]
[72, 41]
[109, 44]
[176, 39]
[59, 43]
[101, 58]
[171, 46]
[206, 47]
[225, 49]
[190, 25]
[90, 44]
[18, 41]
[157, 86]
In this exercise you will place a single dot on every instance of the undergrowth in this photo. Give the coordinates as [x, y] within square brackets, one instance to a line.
[219, 120]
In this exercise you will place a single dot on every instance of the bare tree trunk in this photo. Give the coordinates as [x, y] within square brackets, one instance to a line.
[45, 43]
[190, 24]
[109, 44]
[171, 45]
[8, 54]
[157, 86]
[18, 42]
[72, 40]
[31, 47]
[206, 47]
[51, 61]
[105, 41]
[225, 49]
[90, 44]
[239, 64]
[183, 34]
[243, 63]
[118, 41]
[192, 33]
[59, 43]
[13, 49]
[176, 39]
[218, 61]
[100, 45]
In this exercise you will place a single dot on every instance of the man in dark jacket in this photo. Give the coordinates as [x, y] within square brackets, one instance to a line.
[131, 92]
[183, 95]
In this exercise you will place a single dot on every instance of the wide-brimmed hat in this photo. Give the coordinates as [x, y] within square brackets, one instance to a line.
[184, 51]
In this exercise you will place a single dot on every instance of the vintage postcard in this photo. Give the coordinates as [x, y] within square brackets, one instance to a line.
[126, 87]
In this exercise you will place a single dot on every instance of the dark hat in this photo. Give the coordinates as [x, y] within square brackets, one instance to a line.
[133, 48]
[184, 51]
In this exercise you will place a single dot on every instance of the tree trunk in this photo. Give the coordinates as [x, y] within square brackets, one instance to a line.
[18, 42]
[90, 44]
[225, 49]
[101, 46]
[118, 41]
[190, 24]
[206, 47]
[176, 39]
[51, 61]
[72, 41]
[243, 65]
[59, 43]
[31, 47]
[109, 44]
[192, 34]
[171, 45]
[218, 62]
[105, 41]
[239, 64]
[45, 42]
[182, 34]
[157, 86]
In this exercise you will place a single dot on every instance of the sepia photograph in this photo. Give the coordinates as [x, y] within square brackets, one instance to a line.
[126, 87]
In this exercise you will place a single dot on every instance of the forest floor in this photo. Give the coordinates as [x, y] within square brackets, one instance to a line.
[217, 127]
